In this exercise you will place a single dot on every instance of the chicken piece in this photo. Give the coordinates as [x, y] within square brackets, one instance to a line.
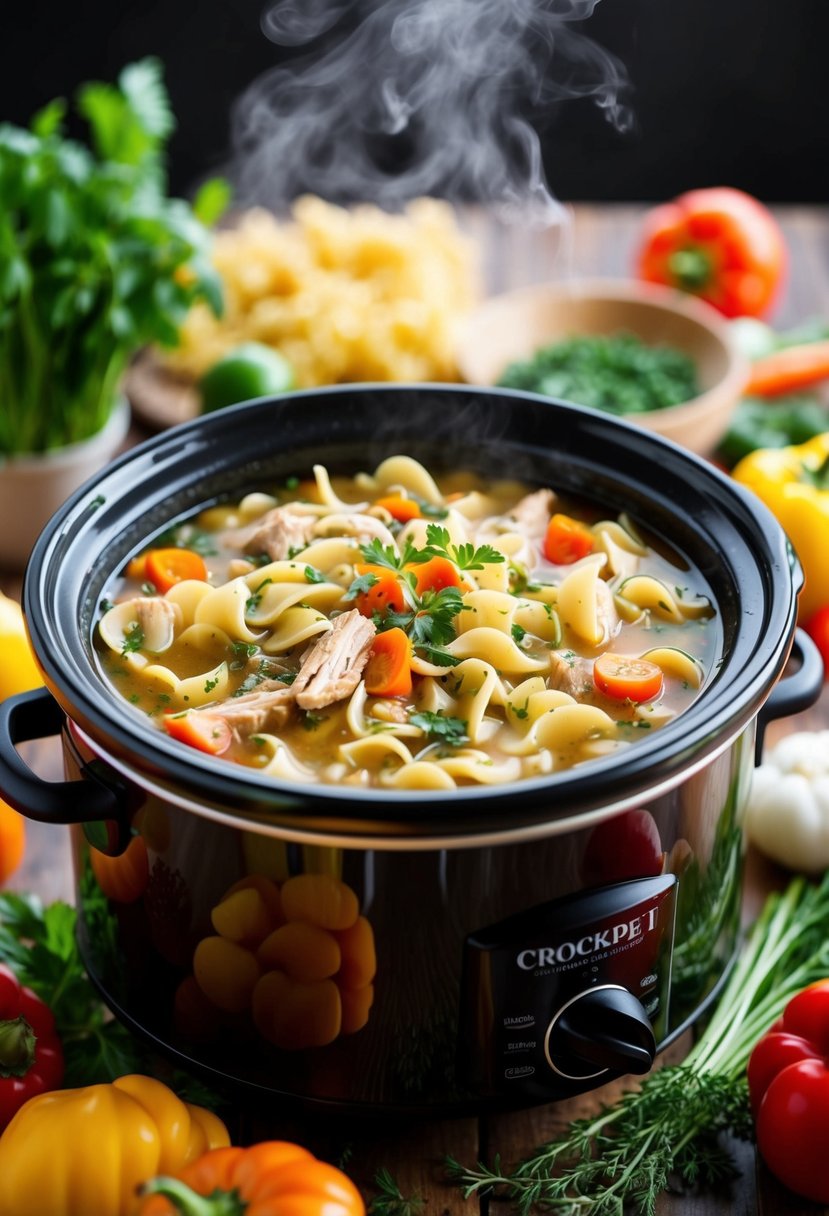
[532, 513]
[158, 619]
[280, 533]
[606, 615]
[331, 668]
[572, 674]
[266, 709]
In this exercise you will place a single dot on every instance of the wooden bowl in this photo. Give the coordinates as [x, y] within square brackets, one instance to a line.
[514, 325]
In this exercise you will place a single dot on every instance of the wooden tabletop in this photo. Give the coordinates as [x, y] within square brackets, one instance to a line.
[593, 241]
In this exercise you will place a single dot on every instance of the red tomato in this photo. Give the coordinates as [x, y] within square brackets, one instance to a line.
[720, 244]
[817, 628]
[788, 1077]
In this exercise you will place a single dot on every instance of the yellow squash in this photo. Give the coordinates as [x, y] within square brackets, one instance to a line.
[18, 671]
[793, 482]
[84, 1152]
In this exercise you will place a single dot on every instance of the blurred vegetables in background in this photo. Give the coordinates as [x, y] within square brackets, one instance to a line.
[12, 841]
[719, 244]
[787, 814]
[95, 259]
[18, 670]
[31, 1056]
[247, 371]
[793, 482]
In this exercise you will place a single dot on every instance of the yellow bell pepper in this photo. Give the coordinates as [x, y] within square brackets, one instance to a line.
[84, 1152]
[793, 483]
[18, 670]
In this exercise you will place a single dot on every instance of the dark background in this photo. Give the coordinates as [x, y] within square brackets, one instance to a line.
[723, 91]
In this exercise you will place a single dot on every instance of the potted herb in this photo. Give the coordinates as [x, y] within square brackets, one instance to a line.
[95, 261]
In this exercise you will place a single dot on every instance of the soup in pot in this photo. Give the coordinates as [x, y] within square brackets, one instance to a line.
[395, 631]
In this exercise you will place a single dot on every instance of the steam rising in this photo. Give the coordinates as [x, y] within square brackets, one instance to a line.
[393, 99]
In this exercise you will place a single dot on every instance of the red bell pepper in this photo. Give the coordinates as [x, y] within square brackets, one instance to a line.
[788, 1080]
[718, 243]
[31, 1056]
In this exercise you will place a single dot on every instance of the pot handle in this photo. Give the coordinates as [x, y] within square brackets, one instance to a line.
[37, 715]
[796, 692]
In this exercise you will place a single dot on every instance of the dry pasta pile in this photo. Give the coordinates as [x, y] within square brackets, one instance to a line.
[416, 638]
[344, 295]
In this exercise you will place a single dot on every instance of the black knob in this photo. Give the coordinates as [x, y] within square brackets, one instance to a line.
[604, 1029]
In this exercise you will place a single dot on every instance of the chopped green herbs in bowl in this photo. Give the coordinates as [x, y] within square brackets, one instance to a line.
[618, 372]
[664, 360]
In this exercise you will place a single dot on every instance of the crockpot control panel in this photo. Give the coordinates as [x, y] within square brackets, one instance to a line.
[569, 994]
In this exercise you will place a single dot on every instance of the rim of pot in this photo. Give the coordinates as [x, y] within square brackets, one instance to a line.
[726, 533]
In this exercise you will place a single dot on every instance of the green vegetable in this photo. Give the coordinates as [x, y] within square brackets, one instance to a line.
[250, 370]
[441, 726]
[626, 1155]
[618, 373]
[761, 423]
[95, 260]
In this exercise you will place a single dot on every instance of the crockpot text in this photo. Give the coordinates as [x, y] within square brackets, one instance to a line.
[591, 943]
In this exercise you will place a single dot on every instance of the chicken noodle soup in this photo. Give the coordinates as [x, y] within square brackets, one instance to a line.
[394, 632]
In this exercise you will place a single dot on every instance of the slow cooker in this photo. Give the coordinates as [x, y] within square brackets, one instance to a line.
[519, 943]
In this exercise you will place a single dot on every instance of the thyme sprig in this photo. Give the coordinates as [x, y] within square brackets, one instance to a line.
[624, 1157]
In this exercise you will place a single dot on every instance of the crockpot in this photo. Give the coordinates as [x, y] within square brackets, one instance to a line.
[517, 943]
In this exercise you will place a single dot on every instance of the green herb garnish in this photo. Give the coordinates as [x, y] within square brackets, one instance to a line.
[133, 639]
[442, 727]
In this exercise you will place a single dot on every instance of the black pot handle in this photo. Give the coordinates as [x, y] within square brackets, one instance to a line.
[37, 715]
[796, 692]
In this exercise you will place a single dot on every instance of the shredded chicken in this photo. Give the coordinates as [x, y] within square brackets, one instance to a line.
[266, 709]
[532, 513]
[571, 674]
[158, 619]
[279, 533]
[331, 668]
[606, 614]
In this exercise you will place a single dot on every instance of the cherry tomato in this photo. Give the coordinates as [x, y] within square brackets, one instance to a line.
[788, 1078]
[817, 628]
[627, 678]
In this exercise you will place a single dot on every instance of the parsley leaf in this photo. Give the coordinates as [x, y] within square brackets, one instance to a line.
[465, 557]
[361, 584]
[440, 726]
[133, 639]
[313, 576]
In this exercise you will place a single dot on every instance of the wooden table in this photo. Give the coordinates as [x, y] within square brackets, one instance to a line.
[596, 241]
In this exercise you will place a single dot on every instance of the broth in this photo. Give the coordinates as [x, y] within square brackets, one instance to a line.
[391, 631]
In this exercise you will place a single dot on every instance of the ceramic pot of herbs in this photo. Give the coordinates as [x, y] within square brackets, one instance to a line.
[95, 261]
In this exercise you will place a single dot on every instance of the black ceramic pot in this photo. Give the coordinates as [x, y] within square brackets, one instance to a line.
[531, 940]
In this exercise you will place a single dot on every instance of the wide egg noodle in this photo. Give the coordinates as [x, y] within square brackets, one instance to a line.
[409, 474]
[202, 689]
[478, 766]
[327, 495]
[419, 775]
[472, 685]
[487, 609]
[495, 648]
[277, 760]
[652, 595]
[188, 594]
[539, 619]
[120, 622]
[273, 599]
[375, 752]
[361, 726]
[225, 606]
[578, 600]
[676, 664]
[294, 626]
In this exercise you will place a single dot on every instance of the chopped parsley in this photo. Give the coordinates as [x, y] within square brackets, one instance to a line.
[518, 634]
[133, 639]
[209, 685]
[441, 727]
[242, 651]
[253, 601]
[313, 576]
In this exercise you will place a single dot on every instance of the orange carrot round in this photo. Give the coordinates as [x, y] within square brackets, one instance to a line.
[384, 595]
[166, 567]
[567, 540]
[436, 574]
[400, 508]
[388, 671]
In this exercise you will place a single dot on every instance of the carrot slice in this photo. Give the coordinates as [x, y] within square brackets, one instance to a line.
[789, 369]
[435, 574]
[567, 540]
[206, 732]
[385, 594]
[400, 508]
[388, 672]
[627, 678]
[166, 567]
[137, 567]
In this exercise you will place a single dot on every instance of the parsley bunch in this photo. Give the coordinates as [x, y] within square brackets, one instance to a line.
[95, 259]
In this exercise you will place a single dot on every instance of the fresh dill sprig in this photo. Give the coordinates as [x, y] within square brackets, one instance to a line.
[390, 1200]
[625, 1156]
